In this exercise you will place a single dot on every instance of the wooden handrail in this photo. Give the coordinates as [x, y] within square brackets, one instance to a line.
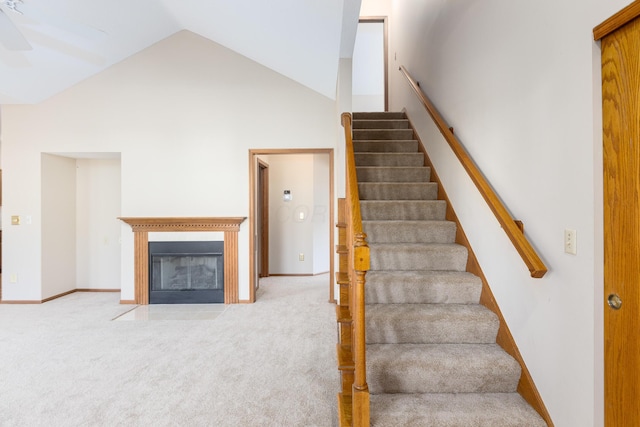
[517, 237]
[358, 266]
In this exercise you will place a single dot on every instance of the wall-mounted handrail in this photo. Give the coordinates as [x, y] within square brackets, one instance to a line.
[517, 237]
[358, 266]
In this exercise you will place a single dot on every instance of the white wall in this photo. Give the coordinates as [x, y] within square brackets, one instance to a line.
[520, 82]
[290, 236]
[368, 67]
[97, 224]
[319, 216]
[306, 176]
[58, 219]
[184, 114]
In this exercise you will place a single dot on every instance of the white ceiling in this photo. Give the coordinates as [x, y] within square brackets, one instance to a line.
[74, 39]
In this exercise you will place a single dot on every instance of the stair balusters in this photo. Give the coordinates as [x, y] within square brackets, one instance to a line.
[354, 402]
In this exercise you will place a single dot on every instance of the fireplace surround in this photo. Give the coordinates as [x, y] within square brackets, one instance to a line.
[141, 226]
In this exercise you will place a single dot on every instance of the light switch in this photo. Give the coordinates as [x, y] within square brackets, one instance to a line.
[15, 219]
[570, 241]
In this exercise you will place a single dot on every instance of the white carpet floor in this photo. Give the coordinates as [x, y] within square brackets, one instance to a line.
[272, 363]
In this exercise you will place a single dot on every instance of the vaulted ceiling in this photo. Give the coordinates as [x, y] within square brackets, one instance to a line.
[73, 39]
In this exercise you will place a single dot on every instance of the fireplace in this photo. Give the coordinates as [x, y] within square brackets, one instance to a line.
[186, 272]
[141, 226]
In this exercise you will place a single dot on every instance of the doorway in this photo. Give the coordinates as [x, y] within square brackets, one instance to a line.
[370, 89]
[257, 208]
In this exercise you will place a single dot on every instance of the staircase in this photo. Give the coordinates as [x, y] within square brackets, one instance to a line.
[432, 357]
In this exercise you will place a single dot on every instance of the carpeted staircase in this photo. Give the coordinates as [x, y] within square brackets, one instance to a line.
[432, 357]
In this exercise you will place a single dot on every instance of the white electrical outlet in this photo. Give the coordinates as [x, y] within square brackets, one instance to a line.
[13, 278]
[570, 242]
[301, 257]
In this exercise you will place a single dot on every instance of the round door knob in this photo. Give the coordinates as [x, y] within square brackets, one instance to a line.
[614, 301]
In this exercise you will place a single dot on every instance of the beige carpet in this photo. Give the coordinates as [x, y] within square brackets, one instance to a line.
[66, 363]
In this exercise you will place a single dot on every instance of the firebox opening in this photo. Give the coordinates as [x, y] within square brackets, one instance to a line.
[186, 272]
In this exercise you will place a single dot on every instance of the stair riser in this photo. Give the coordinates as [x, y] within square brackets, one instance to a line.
[422, 288]
[399, 146]
[413, 324]
[403, 210]
[360, 134]
[485, 370]
[379, 115]
[453, 410]
[398, 191]
[410, 232]
[380, 124]
[389, 159]
[403, 293]
[417, 257]
[393, 174]
[441, 381]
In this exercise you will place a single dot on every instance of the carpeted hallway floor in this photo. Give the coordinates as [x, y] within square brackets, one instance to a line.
[272, 363]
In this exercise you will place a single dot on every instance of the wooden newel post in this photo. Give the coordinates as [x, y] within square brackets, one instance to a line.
[360, 387]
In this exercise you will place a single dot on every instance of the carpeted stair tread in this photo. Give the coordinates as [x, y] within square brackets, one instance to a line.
[410, 231]
[389, 146]
[453, 410]
[381, 124]
[402, 210]
[398, 190]
[440, 368]
[389, 159]
[422, 287]
[360, 134]
[430, 324]
[382, 115]
[417, 256]
[393, 174]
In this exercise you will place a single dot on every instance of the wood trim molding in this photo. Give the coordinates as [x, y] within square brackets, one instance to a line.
[59, 295]
[292, 275]
[526, 386]
[184, 223]
[37, 301]
[141, 227]
[621, 18]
